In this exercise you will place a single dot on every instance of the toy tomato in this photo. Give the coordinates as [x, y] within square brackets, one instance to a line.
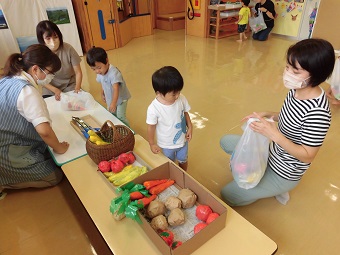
[175, 244]
[212, 217]
[127, 158]
[131, 157]
[104, 166]
[202, 212]
[167, 236]
[116, 166]
[199, 227]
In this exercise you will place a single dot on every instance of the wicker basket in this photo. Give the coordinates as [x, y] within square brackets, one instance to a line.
[121, 140]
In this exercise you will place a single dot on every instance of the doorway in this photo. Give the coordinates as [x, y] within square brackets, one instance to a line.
[102, 23]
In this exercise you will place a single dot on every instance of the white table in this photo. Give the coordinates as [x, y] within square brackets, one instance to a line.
[65, 132]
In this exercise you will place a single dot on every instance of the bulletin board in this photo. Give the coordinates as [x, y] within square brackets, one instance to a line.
[328, 20]
[289, 16]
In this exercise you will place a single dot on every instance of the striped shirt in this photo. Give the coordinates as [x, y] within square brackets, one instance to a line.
[303, 122]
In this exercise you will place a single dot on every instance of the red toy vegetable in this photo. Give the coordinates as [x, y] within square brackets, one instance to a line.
[117, 166]
[167, 236]
[104, 166]
[136, 195]
[199, 227]
[161, 187]
[212, 217]
[150, 184]
[146, 200]
[202, 212]
[175, 244]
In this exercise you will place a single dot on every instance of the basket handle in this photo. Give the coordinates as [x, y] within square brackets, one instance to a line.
[107, 124]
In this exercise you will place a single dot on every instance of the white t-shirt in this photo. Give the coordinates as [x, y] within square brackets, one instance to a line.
[30, 103]
[170, 122]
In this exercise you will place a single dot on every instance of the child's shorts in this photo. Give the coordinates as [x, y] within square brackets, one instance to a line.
[241, 28]
[181, 154]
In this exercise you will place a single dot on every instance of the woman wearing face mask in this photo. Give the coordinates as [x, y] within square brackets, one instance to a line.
[69, 77]
[302, 125]
[25, 124]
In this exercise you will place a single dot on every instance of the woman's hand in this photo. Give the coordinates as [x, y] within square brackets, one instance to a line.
[57, 94]
[62, 148]
[264, 127]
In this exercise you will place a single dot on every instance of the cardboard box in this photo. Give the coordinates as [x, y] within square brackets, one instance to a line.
[183, 180]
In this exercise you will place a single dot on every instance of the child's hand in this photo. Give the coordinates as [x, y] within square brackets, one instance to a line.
[112, 108]
[188, 135]
[155, 148]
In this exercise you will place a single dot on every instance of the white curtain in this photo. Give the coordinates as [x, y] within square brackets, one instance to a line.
[22, 16]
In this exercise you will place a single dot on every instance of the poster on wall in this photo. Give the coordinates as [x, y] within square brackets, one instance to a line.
[3, 23]
[289, 16]
[26, 41]
[58, 15]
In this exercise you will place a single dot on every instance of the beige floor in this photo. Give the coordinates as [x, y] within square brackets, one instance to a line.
[224, 81]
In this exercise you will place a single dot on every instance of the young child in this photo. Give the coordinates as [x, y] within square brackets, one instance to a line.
[243, 18]
[114, 90]
[168, 117]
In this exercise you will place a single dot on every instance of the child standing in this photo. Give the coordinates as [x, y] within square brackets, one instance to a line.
[243, 18]
[168, 117]
[114, 90]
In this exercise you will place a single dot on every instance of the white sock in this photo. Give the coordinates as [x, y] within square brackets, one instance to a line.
[2, 195]
[283, 198]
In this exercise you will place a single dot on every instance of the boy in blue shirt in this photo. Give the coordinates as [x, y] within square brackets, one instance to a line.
[114, 90]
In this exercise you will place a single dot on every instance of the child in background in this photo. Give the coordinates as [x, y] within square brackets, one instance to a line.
[243, 18]
[168, 118]
[114, 90]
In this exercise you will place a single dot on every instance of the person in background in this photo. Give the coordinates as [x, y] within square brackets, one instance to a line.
[243, 18]
[70, 76]
[303, 123]
[25, 124]
[168, 117]
[114, 90]
[267, 8]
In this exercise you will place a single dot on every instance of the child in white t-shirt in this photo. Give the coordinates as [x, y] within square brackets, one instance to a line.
[168, 118]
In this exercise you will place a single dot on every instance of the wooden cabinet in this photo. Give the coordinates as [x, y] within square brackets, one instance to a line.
[221, 20]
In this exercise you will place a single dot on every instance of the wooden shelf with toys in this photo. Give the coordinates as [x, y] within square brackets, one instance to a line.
[222, 18]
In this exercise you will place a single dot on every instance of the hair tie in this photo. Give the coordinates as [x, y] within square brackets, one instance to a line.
[20, 57]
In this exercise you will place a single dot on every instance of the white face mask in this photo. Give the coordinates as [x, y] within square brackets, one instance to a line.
[48, 78]
[292, 81]
[53, 45]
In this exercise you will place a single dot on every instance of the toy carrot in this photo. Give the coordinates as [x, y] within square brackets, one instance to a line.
[149, 184]
[146, 200]
[159, 188]
[136, 195]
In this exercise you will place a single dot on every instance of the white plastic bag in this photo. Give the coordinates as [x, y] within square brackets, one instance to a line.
[249, 160]
[80, 101]
[334, 80]
[257, 24]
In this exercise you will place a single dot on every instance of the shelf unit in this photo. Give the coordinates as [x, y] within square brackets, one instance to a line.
[222, 26]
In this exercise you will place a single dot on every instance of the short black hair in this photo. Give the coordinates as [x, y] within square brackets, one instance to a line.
[167, 79]
[246, 2]
[96, 54]
[49, 28]
[315, 56]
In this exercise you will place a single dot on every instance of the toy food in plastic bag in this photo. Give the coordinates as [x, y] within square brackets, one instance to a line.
[249, 160]
[80, 101]
[257, 24]
[334, 80]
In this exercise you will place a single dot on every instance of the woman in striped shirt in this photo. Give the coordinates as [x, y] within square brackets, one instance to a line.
[302, 125]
